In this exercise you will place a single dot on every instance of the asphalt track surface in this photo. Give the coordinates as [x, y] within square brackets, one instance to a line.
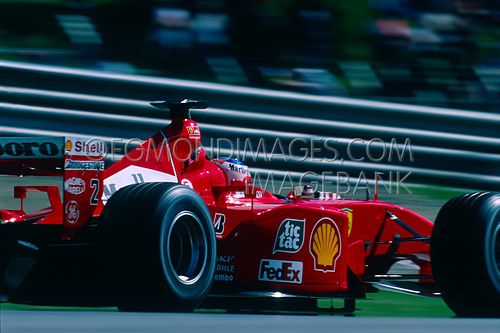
[95, 322]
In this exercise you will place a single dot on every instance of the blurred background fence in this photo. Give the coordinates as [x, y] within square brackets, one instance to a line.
[341, 62]
[449, 146]
[428, 52]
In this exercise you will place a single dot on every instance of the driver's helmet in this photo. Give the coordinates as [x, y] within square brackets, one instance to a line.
[236, 171]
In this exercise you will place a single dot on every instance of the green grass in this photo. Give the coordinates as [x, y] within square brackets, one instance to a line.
[438, 192]
[389, 304]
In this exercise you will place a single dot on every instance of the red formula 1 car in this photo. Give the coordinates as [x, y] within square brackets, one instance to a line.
[164, 227]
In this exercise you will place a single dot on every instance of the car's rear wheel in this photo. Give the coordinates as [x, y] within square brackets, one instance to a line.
[159, 247]
[465, 254]
[6, 249]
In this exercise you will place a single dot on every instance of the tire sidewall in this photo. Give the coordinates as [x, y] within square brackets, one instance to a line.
[462, 257]
[131, 239]
[170, 205]
[491, 213]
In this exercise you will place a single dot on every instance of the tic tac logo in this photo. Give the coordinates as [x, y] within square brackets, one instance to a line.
[280, 271]
[72, 212]
[290, 236]
[219, 221]
[325, 245]
[74, 185]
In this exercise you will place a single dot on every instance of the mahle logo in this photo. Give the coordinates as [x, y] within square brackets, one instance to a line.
[290, 236]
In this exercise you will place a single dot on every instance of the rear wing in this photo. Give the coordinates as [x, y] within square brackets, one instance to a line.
[180, 108]
[22, 147]
[75, 162]
[38, 156]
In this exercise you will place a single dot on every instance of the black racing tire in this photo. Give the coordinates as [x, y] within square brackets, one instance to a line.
[465, 254]
[159, 247]
[7, 244]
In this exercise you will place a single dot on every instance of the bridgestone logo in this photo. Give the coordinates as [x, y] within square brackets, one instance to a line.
[280, 271]
[290, 236]
[83, 165]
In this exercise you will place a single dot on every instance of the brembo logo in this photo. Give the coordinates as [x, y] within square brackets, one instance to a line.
[290, 236]
[28, 149]
[280, 271]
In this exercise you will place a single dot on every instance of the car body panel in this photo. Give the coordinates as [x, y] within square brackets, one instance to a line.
[296, 245]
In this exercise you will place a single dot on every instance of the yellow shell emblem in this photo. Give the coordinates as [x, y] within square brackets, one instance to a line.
[69, 145]
[325, 245]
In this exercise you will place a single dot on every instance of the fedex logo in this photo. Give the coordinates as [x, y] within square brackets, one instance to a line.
[280, 271]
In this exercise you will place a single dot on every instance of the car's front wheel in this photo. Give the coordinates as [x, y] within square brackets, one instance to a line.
[159, 246]
[465, 254]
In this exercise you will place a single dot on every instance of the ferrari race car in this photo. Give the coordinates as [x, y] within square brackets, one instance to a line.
[165, 227]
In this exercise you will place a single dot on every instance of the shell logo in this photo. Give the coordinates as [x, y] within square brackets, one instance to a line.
[325, 245]
[69, 145]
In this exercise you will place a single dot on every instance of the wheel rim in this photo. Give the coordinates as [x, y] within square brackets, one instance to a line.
[496, 249]
[186, 248]
[493, 256]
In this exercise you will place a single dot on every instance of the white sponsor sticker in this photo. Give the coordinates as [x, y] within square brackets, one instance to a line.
[85, 147]
[133, 175]
[280, 271]
[74, 185]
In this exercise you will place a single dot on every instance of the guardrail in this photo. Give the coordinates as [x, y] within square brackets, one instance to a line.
[449, 146]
